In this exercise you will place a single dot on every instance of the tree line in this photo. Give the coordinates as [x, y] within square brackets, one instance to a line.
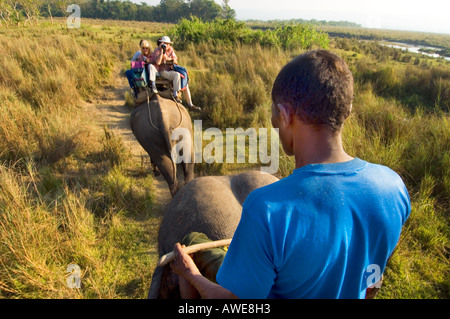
[17, 12]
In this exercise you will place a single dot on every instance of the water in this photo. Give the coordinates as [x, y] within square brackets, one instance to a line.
[414, 49]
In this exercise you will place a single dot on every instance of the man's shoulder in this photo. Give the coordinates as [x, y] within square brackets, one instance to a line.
[383, 174]
[269, 193]
[307, 181]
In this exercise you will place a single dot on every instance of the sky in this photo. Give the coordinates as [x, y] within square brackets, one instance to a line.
[410, 15]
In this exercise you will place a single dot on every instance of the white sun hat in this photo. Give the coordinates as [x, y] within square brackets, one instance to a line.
[165, 39]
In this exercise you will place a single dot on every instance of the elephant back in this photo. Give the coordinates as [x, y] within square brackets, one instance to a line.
[173, 115]
[211, 205]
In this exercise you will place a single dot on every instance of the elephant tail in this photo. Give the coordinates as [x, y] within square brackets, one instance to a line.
[167, 131]
[156, 283]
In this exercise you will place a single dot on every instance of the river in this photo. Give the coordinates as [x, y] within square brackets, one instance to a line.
[414, 49]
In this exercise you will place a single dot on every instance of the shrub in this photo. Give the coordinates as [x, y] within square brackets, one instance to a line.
[195, 31]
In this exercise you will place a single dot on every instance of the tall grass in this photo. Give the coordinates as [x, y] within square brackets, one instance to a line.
[39, 240]
[42, 83]
[67, 195]
[41, 235]
[412, 79]
[239, 81]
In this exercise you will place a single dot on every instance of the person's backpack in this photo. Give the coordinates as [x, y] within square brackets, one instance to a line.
[139, 74]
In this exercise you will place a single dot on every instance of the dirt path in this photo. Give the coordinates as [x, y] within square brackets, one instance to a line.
[114, 114]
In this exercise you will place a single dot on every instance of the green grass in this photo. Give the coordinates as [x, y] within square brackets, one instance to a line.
[70, 193]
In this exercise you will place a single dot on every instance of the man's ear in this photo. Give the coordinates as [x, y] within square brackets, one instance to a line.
[286, 113]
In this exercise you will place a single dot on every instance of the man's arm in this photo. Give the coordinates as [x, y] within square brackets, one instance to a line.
[173, 57]
[157, 56]
[184, 266]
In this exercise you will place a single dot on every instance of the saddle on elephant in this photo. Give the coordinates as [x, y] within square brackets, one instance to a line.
[145, 93]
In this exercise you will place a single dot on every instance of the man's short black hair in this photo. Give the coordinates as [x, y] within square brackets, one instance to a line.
[318, 85]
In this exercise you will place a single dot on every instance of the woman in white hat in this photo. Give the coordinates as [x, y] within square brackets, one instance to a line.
[164, 58]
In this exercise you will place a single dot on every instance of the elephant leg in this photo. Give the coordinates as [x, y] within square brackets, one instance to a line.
[169, 171]
[188, 169]
[155, 168]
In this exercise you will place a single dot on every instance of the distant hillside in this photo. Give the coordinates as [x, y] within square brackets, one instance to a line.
[260, 24]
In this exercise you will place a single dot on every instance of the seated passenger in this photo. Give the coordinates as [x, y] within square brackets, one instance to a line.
[141, 55]
[146, 57]
[163, 58]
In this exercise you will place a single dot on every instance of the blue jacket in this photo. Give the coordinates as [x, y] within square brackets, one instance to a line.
[184, 75]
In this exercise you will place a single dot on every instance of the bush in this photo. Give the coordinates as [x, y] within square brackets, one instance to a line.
[195, 31]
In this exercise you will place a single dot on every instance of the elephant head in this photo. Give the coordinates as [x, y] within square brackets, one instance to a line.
[153, 123]
[211, 205]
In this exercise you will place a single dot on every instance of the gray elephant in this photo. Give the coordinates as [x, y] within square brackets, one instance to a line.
[153, 123]
[211, 205]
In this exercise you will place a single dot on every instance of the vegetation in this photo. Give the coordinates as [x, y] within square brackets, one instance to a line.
[258, 24]
[15, 12]
[414, 80]
[166, 11]
[70, 193]
[414, 38]
[195, 31]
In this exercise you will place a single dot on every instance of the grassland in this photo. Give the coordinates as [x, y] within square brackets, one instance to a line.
[70, 193]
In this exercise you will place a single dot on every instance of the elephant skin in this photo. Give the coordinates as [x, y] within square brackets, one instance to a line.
[154, 134]
[211, 205]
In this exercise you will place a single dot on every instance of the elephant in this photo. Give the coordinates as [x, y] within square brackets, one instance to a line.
[153, 123]
[211, 205]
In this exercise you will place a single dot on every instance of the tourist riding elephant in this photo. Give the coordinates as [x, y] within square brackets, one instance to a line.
[153, 123]
[211, 205]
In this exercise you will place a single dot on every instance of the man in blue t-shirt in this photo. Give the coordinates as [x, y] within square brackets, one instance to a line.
[327, 230]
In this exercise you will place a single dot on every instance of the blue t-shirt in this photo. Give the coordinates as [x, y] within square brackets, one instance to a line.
[322, 232]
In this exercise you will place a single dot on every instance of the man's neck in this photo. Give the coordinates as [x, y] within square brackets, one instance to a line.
[316, 144]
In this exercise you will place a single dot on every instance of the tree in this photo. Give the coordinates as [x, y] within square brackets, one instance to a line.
[49, 5]
[172, 10]
[31, 10]
[167, 11]
[62, 6]
[227, 12]
[207, 10]
[5, 13]
[14, 6]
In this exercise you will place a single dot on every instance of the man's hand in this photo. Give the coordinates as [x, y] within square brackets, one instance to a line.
[163, 47]
[183, 265]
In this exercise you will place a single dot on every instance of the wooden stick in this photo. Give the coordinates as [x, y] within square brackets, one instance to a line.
[167, 258]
